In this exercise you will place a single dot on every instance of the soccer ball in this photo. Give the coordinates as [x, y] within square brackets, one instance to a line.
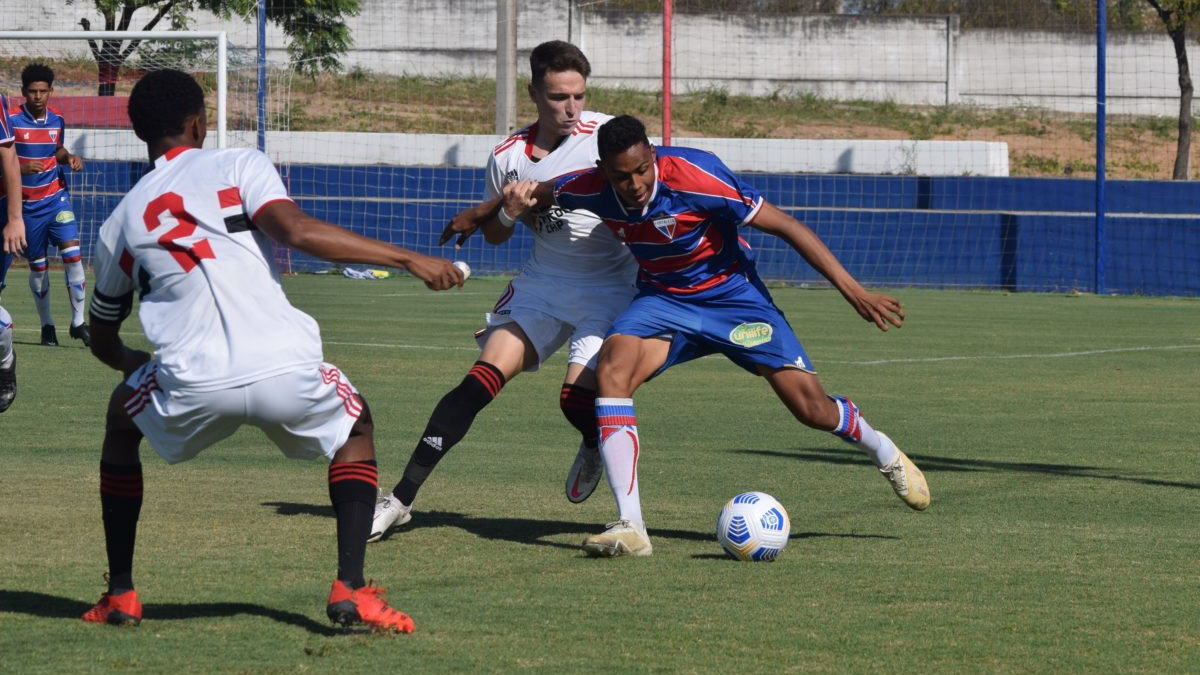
[753, 526]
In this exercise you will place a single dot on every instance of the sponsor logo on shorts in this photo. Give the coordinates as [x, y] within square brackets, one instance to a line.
[65, 217]
[751, 334]
[801, 364]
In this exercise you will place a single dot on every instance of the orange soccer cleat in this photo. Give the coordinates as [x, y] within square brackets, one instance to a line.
[365, 605]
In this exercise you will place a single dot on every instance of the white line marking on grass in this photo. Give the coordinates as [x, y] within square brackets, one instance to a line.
[999, 357]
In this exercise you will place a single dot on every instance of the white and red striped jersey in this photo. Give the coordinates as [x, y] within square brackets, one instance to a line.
[569, 245]
[210, 298]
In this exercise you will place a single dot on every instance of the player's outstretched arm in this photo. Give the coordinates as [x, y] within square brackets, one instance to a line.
[878, 309]
[14, 230]
[481, 216]
[287, 224]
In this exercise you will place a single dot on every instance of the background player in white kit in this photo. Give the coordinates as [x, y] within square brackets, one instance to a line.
[12, 228]
[193, 239]
[577, 280]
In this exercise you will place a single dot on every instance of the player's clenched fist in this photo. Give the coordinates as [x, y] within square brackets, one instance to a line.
[519, 197]
[438, 274]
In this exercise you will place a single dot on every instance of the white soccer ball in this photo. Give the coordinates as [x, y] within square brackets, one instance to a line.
[753, 526]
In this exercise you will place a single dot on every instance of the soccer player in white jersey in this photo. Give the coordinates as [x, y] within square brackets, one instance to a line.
[193, 240]
[13, 232]
[577, 280]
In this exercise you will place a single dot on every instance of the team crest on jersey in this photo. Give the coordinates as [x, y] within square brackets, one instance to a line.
[54, 134]
[666, 226]
[65, 217]
[751, 334]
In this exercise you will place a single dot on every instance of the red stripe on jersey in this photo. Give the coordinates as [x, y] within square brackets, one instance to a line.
[33, 194]
[229, 197]
[708, 283]
[176, 151]
[530, 136]
[125, 262]
[522, 135]
[684, 176]
[584, 128]
[281, 199]
[36, 135]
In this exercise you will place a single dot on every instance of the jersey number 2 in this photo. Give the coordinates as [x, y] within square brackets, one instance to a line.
[172, 203]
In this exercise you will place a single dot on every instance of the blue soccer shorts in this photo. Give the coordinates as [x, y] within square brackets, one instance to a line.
[50, 221]
[741, 322]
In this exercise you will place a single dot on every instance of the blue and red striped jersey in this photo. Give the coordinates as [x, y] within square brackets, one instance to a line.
[686, 238]
[37, 141]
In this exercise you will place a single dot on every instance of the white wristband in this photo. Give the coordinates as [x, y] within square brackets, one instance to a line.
[505, 219]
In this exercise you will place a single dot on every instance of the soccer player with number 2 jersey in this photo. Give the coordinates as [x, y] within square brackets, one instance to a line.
[678, 210]
[193, 241]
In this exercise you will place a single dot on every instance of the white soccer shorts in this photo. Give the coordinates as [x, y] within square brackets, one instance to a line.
[552, 312]
[307, 413]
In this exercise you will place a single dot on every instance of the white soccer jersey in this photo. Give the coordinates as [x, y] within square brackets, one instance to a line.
[210, 298]
[570, 245]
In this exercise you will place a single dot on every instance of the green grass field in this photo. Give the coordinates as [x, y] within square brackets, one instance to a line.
[1059, 435]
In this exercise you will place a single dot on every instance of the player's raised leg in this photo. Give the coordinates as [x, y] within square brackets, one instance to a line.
[505, 353]
[8, 362]
[802, 393]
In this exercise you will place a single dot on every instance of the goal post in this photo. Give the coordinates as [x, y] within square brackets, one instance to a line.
[219, 37]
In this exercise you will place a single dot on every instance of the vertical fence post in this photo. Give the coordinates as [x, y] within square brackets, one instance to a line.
[1101, 66]
[666, 72]
[262, 76]
[506, 66]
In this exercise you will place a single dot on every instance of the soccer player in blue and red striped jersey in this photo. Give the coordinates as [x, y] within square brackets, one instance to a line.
[679, 211]
[13, 242]
[40, 133]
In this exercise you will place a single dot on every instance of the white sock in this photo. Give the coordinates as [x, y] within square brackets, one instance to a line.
[39, 285]
[6, 334]
[619, 447]
[853, 427]
[76, 290]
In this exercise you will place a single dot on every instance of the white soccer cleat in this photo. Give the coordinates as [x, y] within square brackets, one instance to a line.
[908, 481]
[585, 474]
[621, 538]
[389, 513]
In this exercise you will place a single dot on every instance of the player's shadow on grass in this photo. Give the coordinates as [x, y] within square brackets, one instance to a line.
[931, 463]
[57, 607]
[527, 530]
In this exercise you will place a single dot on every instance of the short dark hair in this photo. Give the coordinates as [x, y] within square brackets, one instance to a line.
[620, 134]
[557, 56]
[161, 101]
[36, 72]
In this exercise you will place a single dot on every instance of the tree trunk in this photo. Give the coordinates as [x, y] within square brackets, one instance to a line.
[108, 67]
[1184, 145]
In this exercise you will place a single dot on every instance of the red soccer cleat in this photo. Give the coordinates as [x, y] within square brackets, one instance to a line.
[366, 605]
[118, 610]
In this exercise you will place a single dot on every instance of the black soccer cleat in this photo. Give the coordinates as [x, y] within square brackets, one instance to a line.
[82, 333]
[8, 384]
[49, 336]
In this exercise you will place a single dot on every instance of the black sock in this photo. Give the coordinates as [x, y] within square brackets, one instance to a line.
[120, 506]
[579, 407]
[450, 421]
[352, 489]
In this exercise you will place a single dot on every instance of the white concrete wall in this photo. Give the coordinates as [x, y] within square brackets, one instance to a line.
[906, 60]
[925, 158]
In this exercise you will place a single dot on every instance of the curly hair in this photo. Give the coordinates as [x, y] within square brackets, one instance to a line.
[620, 134]
[161, 101]
[36, 72]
